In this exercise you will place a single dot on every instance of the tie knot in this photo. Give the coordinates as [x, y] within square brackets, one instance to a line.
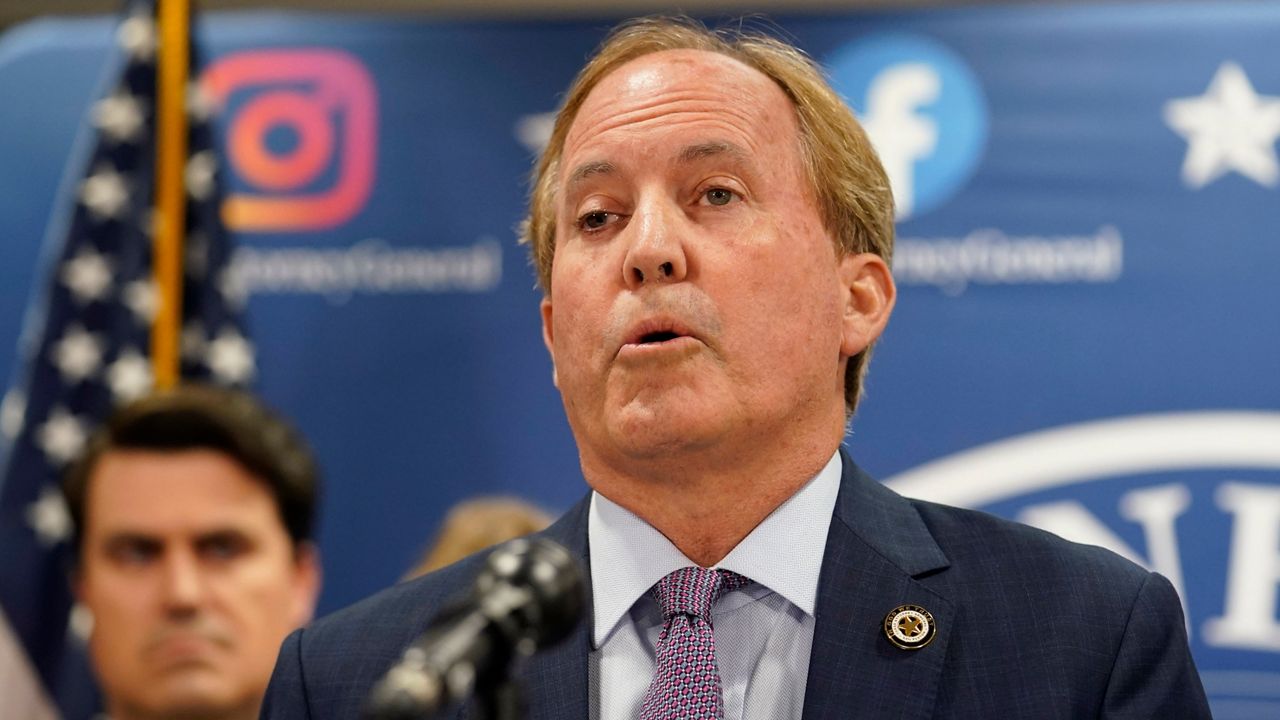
[693, 590]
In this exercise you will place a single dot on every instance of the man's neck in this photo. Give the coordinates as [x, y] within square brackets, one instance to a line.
[704, 503]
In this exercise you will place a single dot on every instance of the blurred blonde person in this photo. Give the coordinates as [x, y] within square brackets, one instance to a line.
[473, 525]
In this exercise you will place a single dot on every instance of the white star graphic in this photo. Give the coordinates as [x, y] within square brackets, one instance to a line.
[137, 35]
[88, 276]
[62, 436]
[141, 298]
[232, 285]
[49, 517]
[13, 412]
[200, 173]
[230, 357]
[534, 131]
[77, 354]
[120, 117]
[105, 194]
[129, 377]
[1229, 128]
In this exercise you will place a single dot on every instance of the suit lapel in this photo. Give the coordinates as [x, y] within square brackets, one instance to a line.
[877, 549]
[555, 679]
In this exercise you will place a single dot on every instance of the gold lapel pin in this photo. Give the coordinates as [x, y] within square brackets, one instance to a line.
[909, 627]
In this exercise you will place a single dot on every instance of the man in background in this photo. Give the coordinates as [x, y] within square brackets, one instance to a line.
[194, 511]
[712, 233]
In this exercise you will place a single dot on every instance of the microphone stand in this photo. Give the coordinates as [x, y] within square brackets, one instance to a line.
[497, 694]
[501, 699]
[528, 595]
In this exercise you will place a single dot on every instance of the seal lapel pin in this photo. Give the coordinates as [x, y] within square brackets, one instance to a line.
[909, 627]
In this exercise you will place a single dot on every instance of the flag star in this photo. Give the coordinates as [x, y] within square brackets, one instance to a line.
[120, 117]
[230, 357]
[105, 194]
[200, 103]
[62, 436]
[200, 174]
[88, 275]
[1229, 128]
[49, 517]
[129, 377]
[13, 412]
[80, 624]
[141, 298]
[137, 36]
[77, 355]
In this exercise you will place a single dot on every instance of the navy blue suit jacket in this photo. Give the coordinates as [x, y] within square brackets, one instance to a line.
[1028, 626]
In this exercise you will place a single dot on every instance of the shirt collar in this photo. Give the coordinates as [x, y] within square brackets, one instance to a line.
[783, 553]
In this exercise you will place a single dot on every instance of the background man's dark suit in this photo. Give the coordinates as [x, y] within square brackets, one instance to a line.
[1029, 626]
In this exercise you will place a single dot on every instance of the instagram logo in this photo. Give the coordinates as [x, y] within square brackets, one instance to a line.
[302, 136]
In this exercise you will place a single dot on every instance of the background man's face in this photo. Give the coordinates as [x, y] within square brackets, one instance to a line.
[696, 295]
[192, 581]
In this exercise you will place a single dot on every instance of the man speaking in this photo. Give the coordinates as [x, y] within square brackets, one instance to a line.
[712, 233]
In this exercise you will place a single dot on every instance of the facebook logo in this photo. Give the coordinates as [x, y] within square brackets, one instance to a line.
[923, 109]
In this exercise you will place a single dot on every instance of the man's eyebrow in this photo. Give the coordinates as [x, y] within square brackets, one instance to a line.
[715, 148]
[222, 533]
[587, 169]
[122, 538]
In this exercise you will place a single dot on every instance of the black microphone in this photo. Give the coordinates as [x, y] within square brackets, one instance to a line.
[528, 596]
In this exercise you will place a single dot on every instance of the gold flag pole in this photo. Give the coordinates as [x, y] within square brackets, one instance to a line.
[170, 198]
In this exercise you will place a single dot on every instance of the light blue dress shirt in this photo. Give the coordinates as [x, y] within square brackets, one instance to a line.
[764, 632]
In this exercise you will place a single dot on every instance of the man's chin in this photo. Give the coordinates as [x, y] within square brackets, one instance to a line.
[198, 693]
[667, 436]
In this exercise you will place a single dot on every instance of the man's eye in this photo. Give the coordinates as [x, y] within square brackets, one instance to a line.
[222, 547]
[134, 552]
[594, 220]
[719, 196]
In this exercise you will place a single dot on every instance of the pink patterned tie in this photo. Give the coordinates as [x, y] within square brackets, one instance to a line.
[686, 685]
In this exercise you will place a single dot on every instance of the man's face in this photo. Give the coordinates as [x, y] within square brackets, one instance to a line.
[192, 580]
[696, 296]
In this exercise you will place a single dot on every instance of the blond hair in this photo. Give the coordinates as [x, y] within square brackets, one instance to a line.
[845, 175]
[476, 524]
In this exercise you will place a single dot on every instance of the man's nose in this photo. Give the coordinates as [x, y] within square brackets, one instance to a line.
[184, 584]
[657, 253]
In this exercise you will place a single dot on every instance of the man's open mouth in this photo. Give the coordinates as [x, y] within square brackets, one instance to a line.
[655, 332]
[658, 337]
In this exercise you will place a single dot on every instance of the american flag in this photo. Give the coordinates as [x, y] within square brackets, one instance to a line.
[86, 350]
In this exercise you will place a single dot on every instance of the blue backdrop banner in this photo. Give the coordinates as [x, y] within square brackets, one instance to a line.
[1086, 336]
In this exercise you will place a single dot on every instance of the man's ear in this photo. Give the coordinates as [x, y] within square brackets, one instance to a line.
[869, 294]
[306, 582]
[548, 336]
